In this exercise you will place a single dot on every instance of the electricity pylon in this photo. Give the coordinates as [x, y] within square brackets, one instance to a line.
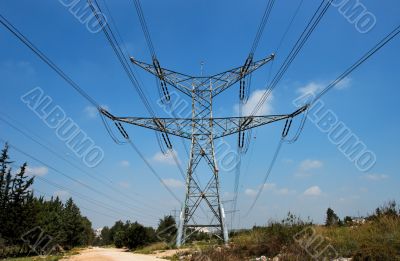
[202, 129]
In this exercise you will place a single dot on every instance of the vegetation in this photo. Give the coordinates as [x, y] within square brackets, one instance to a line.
[135, 236]
[331, 218]
[31, 225]
[376, 237]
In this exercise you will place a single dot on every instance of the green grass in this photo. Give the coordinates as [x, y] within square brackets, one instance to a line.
[71, 252]
[152, 248]
[375, 240]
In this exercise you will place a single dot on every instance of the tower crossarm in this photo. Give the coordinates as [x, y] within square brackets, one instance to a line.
[226, 79]
[180, 81]
[183, 127]
[177, 127]
[228, 126]
[186, 83]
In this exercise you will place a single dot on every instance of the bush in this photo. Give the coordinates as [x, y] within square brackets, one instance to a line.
[136, 236]
[119, 239]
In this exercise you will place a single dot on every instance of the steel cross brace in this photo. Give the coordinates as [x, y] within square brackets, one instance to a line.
[222, 127]
[202, 129]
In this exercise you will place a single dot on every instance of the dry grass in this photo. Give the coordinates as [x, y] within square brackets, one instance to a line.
[375, 240]
[153, 248]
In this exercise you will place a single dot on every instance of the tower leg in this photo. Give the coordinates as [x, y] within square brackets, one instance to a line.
[179, 237]
[200, 198]
[224, 226]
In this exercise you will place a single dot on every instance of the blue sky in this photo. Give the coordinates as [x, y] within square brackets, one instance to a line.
[310, 175]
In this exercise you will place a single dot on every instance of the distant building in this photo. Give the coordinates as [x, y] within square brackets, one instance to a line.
[358, 220]
[97, 232]
[204, 230]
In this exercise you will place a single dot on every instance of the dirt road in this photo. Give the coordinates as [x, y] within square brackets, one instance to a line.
[110, 254]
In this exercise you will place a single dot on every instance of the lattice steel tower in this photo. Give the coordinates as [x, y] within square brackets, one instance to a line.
[202, 129]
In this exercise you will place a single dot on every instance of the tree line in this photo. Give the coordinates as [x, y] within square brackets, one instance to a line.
[388, 209]
[27, 220]
[29, 223]
[134, 235]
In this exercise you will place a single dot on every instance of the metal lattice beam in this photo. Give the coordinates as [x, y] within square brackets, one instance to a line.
[202, 129]
[186, 83]
[222, 127]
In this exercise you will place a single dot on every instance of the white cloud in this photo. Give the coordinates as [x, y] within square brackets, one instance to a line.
[308, 165]
[269, 187]
[253, 100]
[343, 84]
[311, 88]
[287, 161]
[124, 184]
[376, 177]
[37, 171]
[18, 67]
[173, 183]
[250, 192]
[285, 191]
[92, 112]
[167, 158]
[315, 87]
[313, 191]
[124, 163]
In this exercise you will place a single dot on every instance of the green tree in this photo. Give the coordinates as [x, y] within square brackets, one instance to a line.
[118, 226]
[73, 225]
[21, 212]
[331, 218]
[4, 171]
[348, 220]
[119, 238]
[135, 236]
[167, 229]
[106, 236]
[16, 200]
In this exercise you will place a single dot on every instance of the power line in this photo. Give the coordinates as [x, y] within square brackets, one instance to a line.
[47, 60]
[152, 170]
[88, 209]
[64, 174]
[43, 57]
[114, 43]
[124, 61]
[53, 152]
[312, 24]
[81, 196]
[289, 25]
[86, 198]
[150, 45]
[360, 61]
[261, 26]
[261, 188]
[389, 37]
[145, 29]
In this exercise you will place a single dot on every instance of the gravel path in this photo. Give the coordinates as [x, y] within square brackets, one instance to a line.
[110, 254]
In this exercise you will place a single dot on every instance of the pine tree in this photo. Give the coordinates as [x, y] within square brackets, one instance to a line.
[21, 186]
[135, 236]
[166, 230]
[4, 172]
[331, 218]
[71, 223]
